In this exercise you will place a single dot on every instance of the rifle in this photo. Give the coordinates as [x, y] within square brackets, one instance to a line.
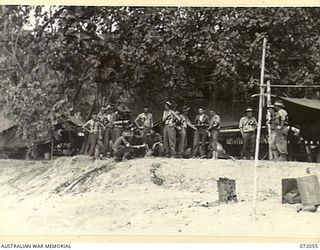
[170, 116]
[90, 131]
[120, 122]
[95, 132]
[138, 146]
[192, 126]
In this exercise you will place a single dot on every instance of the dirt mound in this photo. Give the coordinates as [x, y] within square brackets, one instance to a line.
[148, 196]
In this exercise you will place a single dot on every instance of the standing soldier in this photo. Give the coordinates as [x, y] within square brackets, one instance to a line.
[169, 119]
[272, 121]
[248, 126]
[214, 127]
[119, 119]
[94, 127]
[200, 135]
[116, 126]
[144, 121]
[282, 131]
[107, 137]
[185, 122]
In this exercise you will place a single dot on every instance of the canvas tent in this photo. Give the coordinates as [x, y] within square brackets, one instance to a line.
[302, 110]
[306, 114]
[5, 123]
[11, 144]
[8, 138]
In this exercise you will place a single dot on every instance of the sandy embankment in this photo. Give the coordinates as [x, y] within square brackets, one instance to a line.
[51, 198]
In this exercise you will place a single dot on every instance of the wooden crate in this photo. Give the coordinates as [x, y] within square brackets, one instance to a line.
[227, 190]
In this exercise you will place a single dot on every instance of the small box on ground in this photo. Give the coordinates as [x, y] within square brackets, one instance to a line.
[227, 190]
[290, 191]
[309, 189]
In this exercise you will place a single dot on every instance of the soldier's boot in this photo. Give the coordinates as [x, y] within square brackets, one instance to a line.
[215, 155]
[282, 157]
[275, 155]
[127, 156]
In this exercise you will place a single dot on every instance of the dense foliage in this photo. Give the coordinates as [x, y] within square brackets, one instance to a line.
[87, 56]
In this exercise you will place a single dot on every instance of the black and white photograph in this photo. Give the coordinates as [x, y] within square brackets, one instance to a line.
[160, 121]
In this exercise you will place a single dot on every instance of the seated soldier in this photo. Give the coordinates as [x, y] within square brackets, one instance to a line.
[154, 144]
[126, 147]
[122, 147]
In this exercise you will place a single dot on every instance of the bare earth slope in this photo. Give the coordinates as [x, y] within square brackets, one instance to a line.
[75, 196]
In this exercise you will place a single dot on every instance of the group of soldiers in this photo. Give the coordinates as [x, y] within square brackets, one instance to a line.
[205, 126]
[278, 124]
[112, 134]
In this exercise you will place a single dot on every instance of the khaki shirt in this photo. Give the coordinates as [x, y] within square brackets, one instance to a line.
[248, 124]
[215, 122]
[273, 120]
[283, 114]
[94, 126]
[168, 118]
[184, 121]
[202, 120]
[147, 120]
[121, 142]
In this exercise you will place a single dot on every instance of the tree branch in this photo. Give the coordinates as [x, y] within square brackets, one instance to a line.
[56, 14]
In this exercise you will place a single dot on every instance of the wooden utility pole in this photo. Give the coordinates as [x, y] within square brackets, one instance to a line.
[268, 117]
[256, 157]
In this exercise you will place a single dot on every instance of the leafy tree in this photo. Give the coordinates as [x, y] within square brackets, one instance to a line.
[59, 58]
[25, 91]
[93, 55]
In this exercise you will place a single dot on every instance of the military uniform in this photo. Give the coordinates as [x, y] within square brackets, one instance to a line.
[281, 133]
[119, 120]
[155, 145]
[117, 129]
[93, 141]
[121, 148]
[248, 127]
[107, 136]
[183, 134]
[273, 122]
[169, 132]
[214, 127]
[200, 135]
[146, 119]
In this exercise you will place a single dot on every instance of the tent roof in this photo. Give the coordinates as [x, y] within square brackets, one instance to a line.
[307, 103]
[5, 123]
[9, 140]
[302, 110]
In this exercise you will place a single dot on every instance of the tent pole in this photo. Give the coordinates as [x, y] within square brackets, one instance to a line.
[256, 157]
[52, 144]
[268, 116]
